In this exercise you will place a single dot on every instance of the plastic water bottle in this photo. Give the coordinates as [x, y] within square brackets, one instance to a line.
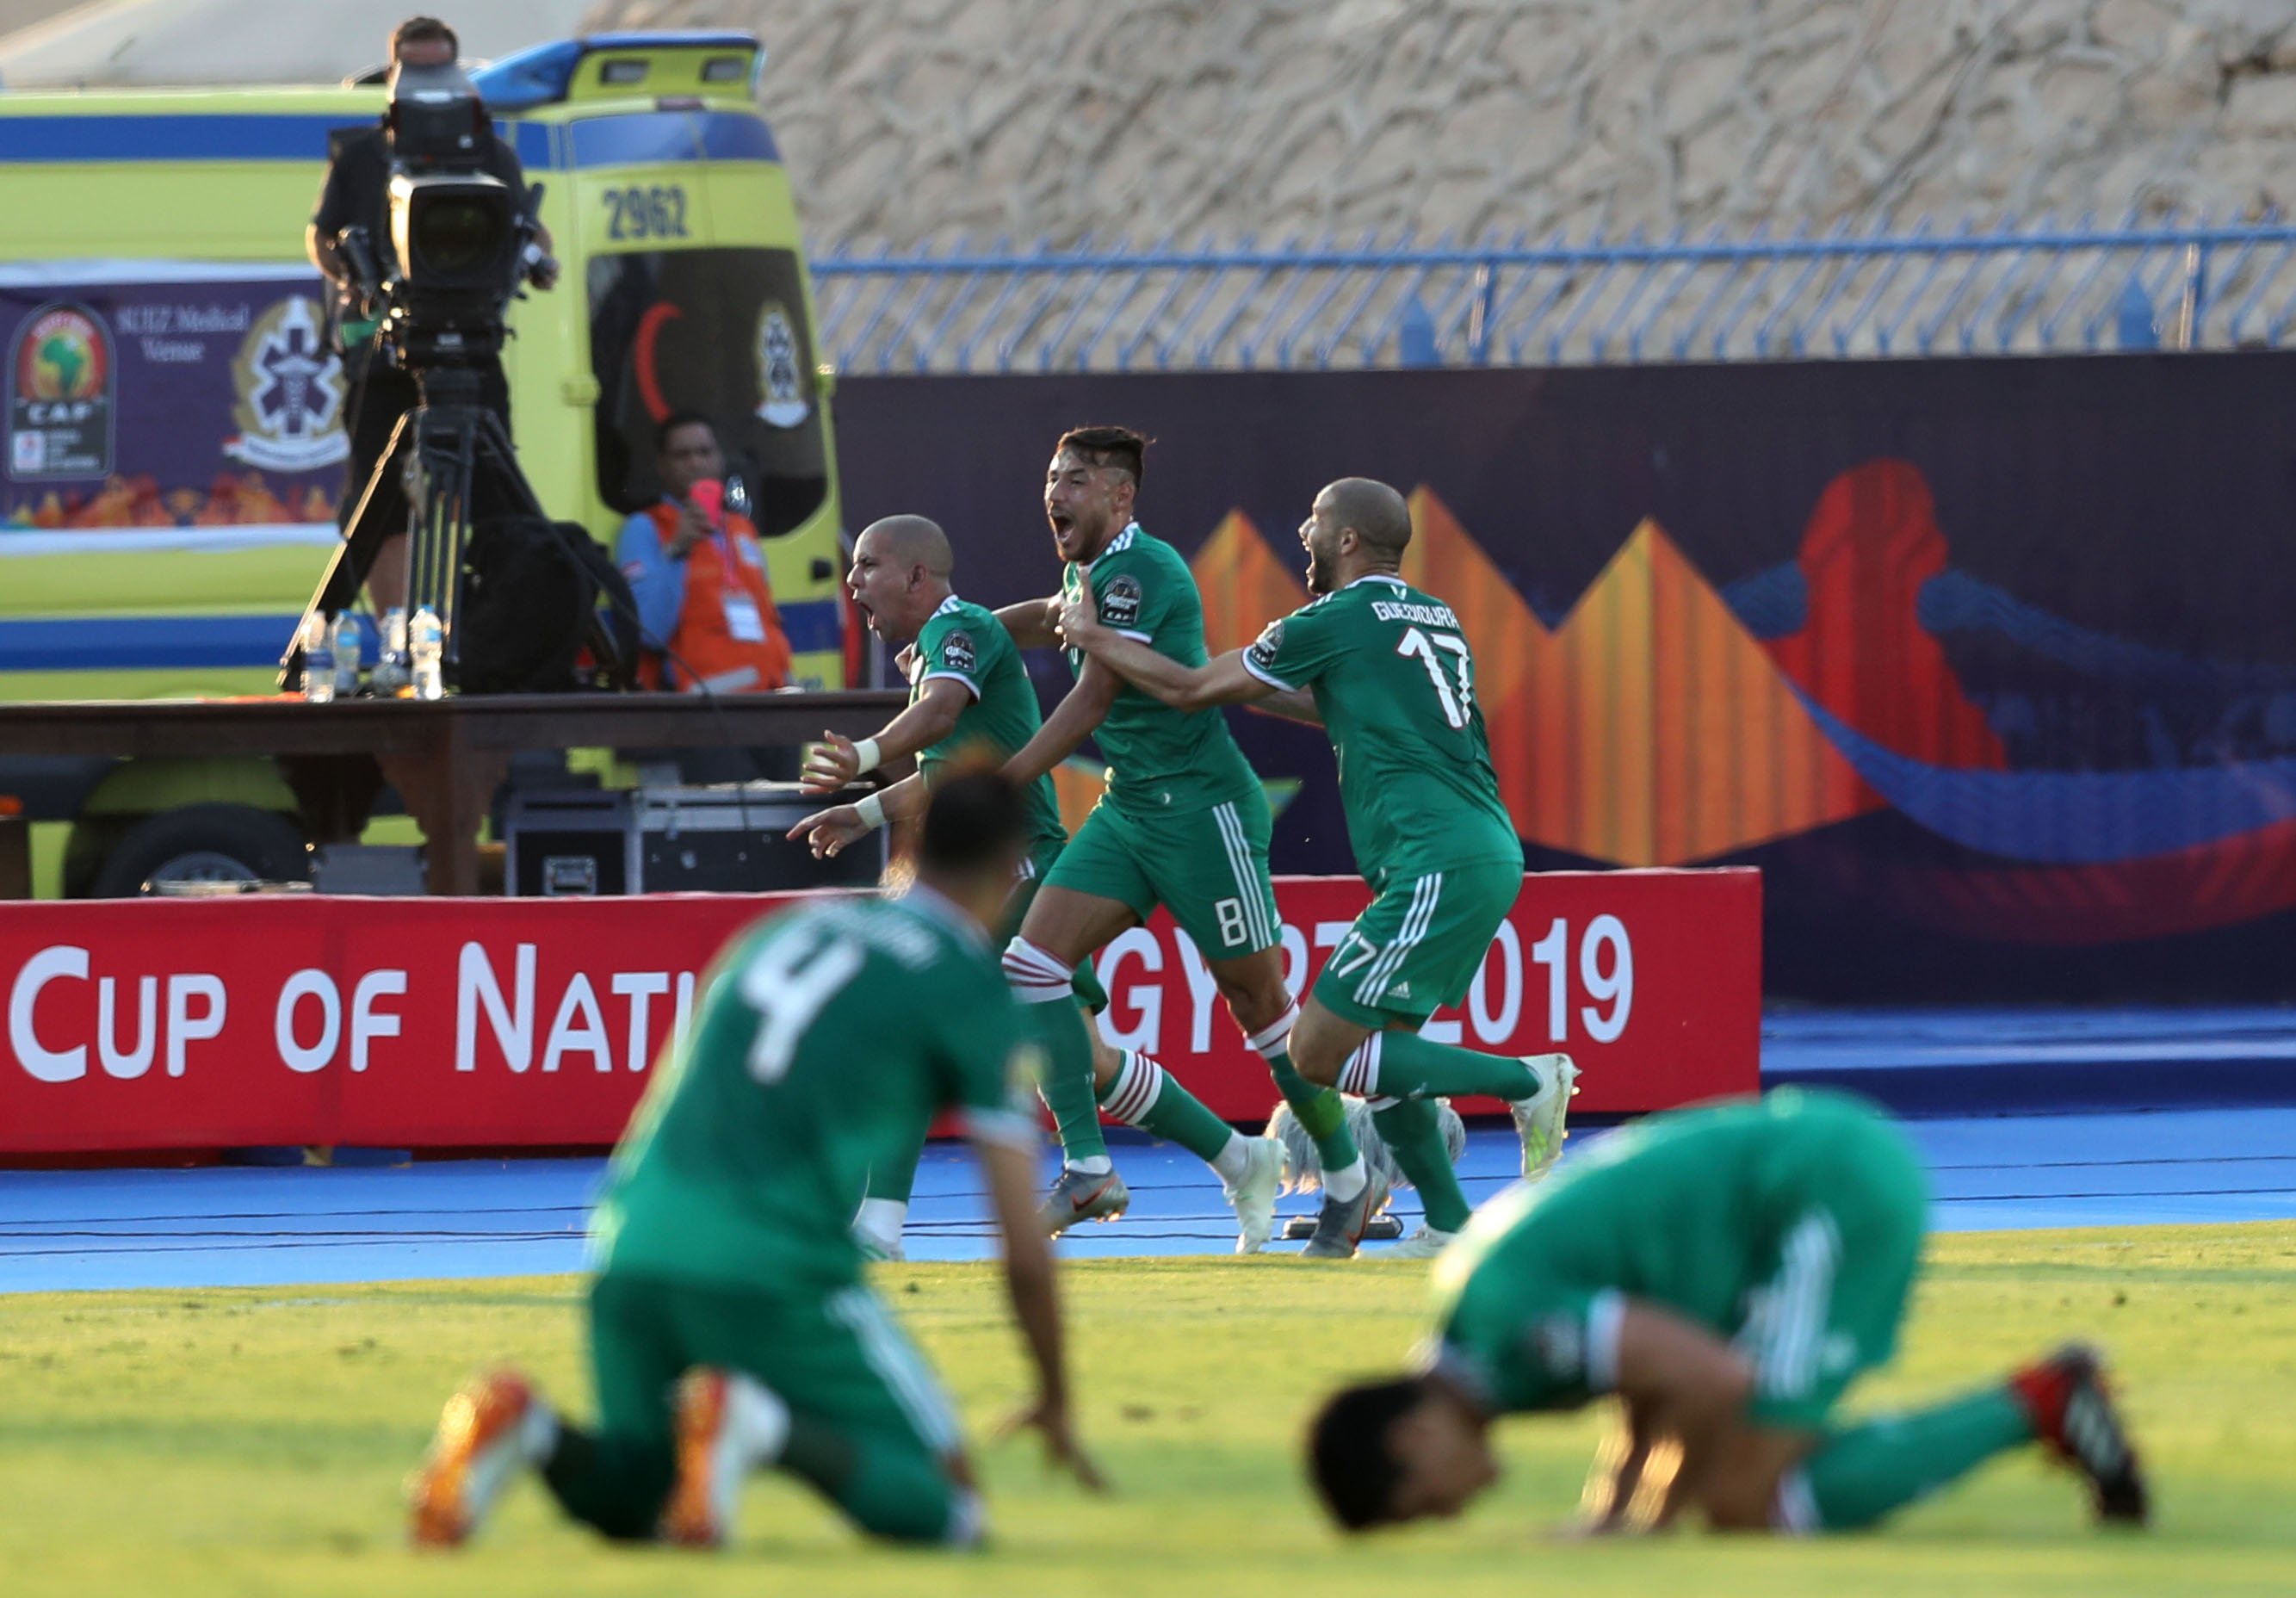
[391, 674]
[347, 652]
[319, 660]
[426, 650]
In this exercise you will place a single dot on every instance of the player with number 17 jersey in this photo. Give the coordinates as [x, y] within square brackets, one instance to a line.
[1394, 680]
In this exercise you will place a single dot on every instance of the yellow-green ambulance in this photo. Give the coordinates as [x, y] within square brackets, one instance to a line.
[174, 418]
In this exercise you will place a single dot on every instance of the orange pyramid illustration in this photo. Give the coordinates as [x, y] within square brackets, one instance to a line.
[1682, 738]
[1649, 729]
[1243, 585]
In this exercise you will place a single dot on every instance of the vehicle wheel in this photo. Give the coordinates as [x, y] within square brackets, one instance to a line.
[203, 843]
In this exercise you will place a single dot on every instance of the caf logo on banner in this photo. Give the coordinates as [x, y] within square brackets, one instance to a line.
[291, 393]
[781, 385]
[60, 411]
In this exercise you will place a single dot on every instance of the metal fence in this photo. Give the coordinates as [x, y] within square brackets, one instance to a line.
[1927, 290]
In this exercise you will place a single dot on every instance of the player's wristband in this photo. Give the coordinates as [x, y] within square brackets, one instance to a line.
[870, 756]
[871, 808]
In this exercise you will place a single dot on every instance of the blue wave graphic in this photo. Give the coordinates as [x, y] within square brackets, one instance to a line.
[1774, 603]
[1955, 603]
[2071, 818]
[1770, 604]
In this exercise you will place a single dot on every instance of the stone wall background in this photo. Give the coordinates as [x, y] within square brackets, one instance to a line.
[917, 121]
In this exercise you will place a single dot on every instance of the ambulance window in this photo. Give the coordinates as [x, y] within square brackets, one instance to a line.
[622, 72]
[724, 68]
[723, 333]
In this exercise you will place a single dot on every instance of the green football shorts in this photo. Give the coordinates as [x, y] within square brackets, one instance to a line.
[837, 1357]
[1089, 993]
[1416, 947]
[1208, 867]
[1844, 1253]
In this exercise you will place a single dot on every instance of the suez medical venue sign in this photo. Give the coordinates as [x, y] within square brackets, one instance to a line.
[442, 1022]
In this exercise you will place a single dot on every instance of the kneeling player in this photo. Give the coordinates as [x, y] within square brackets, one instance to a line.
[1726, 1273]
[730, 1330]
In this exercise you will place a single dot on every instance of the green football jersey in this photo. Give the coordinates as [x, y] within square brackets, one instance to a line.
[962, 642]
[1694, 1209]
[1395, 681]
[1159, 758]
[825, 1036]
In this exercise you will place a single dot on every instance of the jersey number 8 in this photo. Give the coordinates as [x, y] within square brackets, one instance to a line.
[787, 984]
[1428, 649]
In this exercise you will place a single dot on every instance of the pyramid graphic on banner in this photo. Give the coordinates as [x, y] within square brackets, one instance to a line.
[1649, 728]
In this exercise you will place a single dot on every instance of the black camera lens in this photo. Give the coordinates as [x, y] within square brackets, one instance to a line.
[456, 236]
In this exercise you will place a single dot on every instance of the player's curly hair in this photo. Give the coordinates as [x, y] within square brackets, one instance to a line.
[1117, 446]
[1348, 1456]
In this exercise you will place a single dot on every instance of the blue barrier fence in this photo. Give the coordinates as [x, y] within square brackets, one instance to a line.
[1848, 293]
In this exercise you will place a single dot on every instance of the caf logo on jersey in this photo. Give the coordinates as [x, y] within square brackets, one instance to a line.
[1119, 606]
[291, 392]
[60, 375]
[1264, 647]
[956, 651]
[780, 383]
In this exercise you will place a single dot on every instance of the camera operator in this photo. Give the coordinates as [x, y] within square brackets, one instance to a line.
[356, 195]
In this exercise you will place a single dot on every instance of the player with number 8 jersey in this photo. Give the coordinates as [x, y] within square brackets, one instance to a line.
[1389, 672]
[1184, 824]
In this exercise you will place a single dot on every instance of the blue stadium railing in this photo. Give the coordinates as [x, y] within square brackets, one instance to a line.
[1848, 293]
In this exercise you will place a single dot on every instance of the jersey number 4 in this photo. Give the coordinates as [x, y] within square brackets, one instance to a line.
[1428, 649]
[787, 984]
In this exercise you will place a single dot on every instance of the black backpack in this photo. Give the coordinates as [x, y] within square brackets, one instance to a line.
[532, 592]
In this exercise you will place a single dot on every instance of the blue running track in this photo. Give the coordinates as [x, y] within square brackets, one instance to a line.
[225, 1227]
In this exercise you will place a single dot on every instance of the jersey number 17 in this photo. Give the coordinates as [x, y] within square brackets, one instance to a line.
[1430, 650]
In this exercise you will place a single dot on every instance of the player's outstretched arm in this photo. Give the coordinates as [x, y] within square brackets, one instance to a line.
[1221, 682]
[1292, 704]
[1010, 1168]
[1031, 622]
[830, 831]
[837, 759]
[1071, 722]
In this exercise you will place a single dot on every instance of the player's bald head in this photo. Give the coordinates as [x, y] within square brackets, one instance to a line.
[1379, 515]
[904, 542]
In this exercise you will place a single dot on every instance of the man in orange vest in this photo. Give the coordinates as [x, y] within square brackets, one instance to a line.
[706, 616]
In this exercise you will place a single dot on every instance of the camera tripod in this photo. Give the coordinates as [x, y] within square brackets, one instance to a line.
[457, 456]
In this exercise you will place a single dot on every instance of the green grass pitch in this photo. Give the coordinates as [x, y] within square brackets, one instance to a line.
[252, 1441]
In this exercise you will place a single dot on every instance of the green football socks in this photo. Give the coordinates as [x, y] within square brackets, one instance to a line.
[1067, 1086]
[1414, 1136]
[1864, 1471]
[1404, 1065]
[1145, 1095]
[1321, 1112]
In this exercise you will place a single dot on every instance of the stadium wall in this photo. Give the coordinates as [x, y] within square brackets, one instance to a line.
[1986, 664]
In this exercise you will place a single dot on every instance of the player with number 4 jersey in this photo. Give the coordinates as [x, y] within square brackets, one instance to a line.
[1387, 671]
[730, 1327]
